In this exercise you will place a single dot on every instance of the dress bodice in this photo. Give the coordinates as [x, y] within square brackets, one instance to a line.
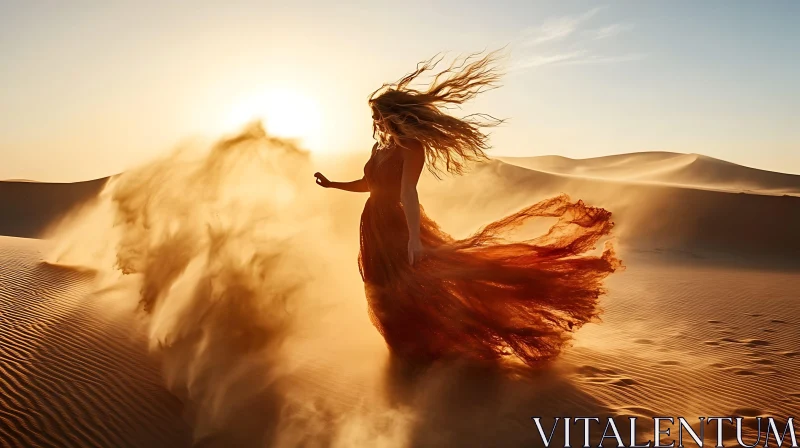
[383, 173]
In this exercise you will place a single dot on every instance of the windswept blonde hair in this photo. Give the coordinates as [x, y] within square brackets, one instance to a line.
[450, 143]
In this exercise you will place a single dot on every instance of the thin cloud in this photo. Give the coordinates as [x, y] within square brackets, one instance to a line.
[609, 31]
[567, 40]
[598, 59]
[559, 28]
[573, 58]
[550, 59]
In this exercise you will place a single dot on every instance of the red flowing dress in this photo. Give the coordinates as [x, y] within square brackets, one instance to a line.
[481, 298]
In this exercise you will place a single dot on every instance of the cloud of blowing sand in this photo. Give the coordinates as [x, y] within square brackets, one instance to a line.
[229, 256]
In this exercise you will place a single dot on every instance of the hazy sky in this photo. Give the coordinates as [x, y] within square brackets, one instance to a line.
[88, 88]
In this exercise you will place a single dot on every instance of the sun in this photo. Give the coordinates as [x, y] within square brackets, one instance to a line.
[284, 113]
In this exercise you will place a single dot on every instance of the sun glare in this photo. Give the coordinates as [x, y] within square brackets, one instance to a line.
[285, 113]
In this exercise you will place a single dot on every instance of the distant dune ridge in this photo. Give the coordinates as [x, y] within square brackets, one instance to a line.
[663, 207]
[28, 207]
[265, 341]
[688, 170]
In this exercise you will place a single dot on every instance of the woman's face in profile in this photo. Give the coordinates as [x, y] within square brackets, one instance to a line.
[376, 119]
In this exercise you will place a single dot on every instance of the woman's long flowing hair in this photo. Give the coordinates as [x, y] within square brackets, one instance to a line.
[450, 143]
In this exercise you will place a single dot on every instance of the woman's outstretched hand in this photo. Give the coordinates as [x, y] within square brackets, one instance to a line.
[415, 251]
[322, 180]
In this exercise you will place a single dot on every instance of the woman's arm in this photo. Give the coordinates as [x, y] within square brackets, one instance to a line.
[357, 186]
[413, 162]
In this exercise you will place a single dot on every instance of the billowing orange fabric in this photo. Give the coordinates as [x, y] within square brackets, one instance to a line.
[482, 297]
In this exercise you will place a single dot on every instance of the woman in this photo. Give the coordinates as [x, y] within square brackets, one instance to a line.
[483, 298]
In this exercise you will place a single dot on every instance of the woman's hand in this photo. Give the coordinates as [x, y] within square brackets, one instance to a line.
[415, 250]
[322, 180]
[357, 186]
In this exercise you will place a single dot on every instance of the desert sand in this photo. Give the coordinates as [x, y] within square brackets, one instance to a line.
[73, 374]
[704, 320]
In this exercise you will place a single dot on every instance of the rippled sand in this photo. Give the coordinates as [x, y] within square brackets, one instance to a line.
[71, 374]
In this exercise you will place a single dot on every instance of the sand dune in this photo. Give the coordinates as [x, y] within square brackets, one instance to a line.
[29, 207]
[71, 374]
[690, 170]
[749, 229]
[704, 321]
